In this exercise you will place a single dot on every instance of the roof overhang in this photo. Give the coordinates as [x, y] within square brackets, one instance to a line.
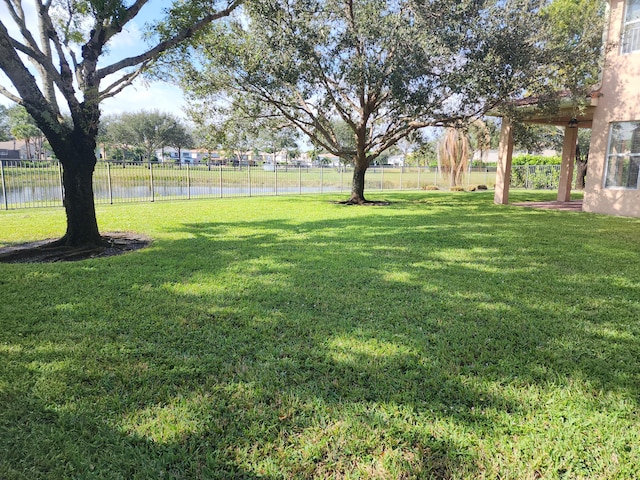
[564, 115]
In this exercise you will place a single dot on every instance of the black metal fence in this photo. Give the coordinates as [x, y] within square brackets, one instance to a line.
[26, 183]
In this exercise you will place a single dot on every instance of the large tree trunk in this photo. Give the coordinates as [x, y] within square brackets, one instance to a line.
[82, 226]
[582, 159]
[581, 174]
[78, 161]
[357, 184]
[581, 164]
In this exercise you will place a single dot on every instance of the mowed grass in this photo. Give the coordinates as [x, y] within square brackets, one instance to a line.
[439, 337]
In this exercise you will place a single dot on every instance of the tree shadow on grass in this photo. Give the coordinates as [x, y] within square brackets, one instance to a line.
[250, 350]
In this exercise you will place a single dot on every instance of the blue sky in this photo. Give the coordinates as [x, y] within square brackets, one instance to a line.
[142, 95]
[139, 96]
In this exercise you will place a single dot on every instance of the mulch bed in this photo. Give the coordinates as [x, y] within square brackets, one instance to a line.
[47, 251]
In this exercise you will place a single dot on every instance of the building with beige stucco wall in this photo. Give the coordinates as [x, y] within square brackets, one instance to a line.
[614, 156]
[613, 114]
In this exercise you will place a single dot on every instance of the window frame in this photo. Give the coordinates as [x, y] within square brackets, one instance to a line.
[620, 157]
[634, 25]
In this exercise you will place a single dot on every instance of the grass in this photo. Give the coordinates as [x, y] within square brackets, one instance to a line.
[439, 337]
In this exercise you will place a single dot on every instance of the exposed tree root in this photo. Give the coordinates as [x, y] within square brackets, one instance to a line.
[114, 243]
[352, 201]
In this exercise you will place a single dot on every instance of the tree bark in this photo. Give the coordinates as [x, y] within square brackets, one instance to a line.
[82, 226]
[581, 164]
[357, 185]
[78, 161]
[581, 174]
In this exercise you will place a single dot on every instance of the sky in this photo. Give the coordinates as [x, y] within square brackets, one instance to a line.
[139, 96]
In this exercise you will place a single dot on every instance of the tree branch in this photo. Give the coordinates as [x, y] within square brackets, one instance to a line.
[19, 20]
[166, 44]
[120, 84]
[32, 98]
[10, 96]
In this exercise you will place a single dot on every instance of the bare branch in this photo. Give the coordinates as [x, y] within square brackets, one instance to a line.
[32, 98]
[10, 96]
[19, 19]
[311, 128]
[119, 85]
[167, 44]
[103, 33]
[47, 78]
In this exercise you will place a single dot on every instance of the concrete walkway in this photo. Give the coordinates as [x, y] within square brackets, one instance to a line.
[571, 206]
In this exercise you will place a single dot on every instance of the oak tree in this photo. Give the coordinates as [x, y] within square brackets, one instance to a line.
[53, 55]
[147, 131]
[383, 68]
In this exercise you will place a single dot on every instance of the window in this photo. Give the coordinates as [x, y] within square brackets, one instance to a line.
[631, 32]
[623, 158]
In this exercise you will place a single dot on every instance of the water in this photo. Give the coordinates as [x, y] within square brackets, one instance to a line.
[51, 195]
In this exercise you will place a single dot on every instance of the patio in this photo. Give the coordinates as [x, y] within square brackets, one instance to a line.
[570, 206]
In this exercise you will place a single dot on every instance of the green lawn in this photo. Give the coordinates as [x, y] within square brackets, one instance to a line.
[290, 337]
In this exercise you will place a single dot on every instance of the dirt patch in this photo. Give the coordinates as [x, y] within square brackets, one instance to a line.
[366, 203]
[47, 251]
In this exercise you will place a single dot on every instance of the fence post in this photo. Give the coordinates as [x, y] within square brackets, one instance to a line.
[188, 182]
[341, 179]
[419, 176]
[61, 182]
[153, 193]
[109, 183]
[220, 172]
[381, 178]
[300, 179]
[249, 176]
[321, 178]
[401, 171]
[4, 186]
[275, 172]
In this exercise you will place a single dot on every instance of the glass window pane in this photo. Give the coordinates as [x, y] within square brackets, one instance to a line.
[633, 10]
[623, 159]
[631, 32]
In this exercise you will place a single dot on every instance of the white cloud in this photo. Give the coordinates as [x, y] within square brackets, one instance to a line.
[155, 96]
[127, 43]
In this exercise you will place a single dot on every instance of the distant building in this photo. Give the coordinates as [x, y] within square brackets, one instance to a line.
[13, 150]
[186, 156]
[328, 159]
[396, 160]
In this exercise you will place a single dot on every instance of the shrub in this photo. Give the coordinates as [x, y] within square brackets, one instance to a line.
[535, 160]
[430, 187]
[457, 188]
[535, 176]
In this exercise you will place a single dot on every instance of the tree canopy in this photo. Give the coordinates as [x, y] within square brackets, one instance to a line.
[5, 133]
[53, 55]
[576, 34]
[385, 69]
[147, 131]
[23, 127]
